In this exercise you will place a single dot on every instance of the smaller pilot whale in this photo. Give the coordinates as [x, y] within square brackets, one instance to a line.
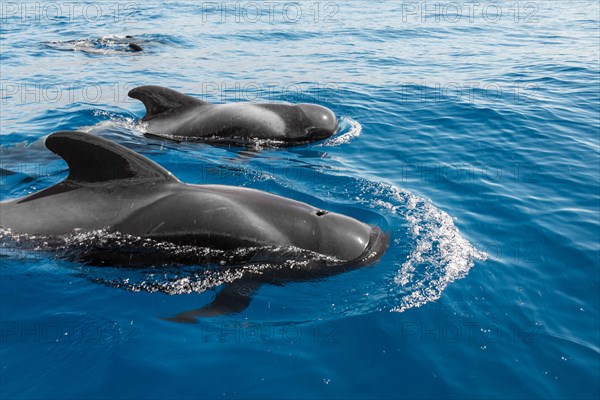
[176, 116]
[111, 44]
[112, 188]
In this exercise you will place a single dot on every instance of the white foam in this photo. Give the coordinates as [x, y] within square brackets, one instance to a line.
[354, 131]
[186, 268]
[116, 121]
[439, 256]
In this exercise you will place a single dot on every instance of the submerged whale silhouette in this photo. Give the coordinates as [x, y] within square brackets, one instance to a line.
[173, 115]
[111, 187]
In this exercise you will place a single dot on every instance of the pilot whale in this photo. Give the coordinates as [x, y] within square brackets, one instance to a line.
[114, 188]
[111, 44]
[173, 115]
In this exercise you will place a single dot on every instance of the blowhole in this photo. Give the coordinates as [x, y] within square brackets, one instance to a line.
[320, 213]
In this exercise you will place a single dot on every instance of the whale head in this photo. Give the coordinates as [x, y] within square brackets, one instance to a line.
[322, 121]
[348, 239]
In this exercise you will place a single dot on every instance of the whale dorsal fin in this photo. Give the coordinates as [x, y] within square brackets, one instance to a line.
[158, 100]
[94, 159]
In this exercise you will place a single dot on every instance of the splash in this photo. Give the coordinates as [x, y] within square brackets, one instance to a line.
[116, 121]
[140, 264]
[438, 255]
[351, 129]
[248, 142]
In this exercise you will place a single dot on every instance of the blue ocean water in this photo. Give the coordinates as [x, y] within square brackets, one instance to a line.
[470, 131]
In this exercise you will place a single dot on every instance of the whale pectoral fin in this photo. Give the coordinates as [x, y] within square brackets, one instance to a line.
[232, 299]
[158, 100]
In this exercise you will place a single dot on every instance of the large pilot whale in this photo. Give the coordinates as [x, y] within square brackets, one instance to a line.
[114, 188]
[173, 115]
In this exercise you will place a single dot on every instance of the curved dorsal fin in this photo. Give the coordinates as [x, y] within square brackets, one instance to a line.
[159, 99]
[94, 159]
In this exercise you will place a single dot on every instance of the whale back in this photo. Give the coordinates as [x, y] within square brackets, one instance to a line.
[87, 198]
[159, 100]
